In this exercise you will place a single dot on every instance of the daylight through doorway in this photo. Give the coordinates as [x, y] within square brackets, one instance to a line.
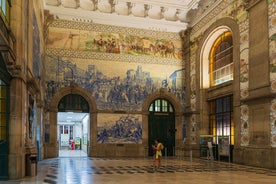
[72, 134]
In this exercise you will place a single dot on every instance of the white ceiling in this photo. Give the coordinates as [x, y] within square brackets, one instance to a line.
[163, 15]
[70, 117]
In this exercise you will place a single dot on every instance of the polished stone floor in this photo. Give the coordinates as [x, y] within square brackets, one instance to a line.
[86, 170]
[72, 153]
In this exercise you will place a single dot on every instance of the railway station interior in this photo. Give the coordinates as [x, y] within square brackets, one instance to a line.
[87, 86]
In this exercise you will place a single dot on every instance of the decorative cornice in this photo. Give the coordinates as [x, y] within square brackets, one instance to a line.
[171, 11]
[114, 29]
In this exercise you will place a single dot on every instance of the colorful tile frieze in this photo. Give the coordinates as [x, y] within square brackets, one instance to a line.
[244, 125]
[193, 131]
[273, 123]
[66, 38]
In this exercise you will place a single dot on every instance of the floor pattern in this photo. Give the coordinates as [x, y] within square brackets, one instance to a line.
[169, 166]
[86, 170]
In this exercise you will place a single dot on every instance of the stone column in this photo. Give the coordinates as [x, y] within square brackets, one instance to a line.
[18, 95]
[258, 152]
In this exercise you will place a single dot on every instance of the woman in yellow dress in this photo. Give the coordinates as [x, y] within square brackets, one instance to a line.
[157, 153]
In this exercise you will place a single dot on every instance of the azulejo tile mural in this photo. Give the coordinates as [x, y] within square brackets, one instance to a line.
[87, 38]
[120, 67]
[114, 85]
[119, 128]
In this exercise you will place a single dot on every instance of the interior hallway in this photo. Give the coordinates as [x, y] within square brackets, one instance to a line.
[86, 170]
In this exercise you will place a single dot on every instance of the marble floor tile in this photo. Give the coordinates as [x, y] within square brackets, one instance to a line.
[87, 170]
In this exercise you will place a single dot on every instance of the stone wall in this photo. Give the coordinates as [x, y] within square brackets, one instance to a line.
[252, 87]
[26, 94]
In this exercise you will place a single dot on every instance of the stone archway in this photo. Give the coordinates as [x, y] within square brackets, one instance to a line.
[164, 94]
[51, 147]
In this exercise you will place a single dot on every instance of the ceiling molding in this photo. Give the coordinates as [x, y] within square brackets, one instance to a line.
[163, 15]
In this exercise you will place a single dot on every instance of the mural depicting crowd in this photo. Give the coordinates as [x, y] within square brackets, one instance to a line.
[112, 93]
[113, 43]
[125, 129]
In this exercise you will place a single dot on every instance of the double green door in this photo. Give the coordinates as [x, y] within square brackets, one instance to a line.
[162, 126]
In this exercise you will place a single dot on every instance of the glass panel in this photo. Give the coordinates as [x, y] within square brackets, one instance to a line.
[157, 105]
[71, 132]
[3, 91]
[171, 108]
[161, 105]
[221, 120]
[151, 108]
[221, 59]
[3, 119]
[3, 133]
[3, 105]
[219, 125]
[65, 129]
[3, 6]
[232, 131]
[165, 106]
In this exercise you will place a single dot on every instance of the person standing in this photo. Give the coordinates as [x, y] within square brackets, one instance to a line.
[157, 153]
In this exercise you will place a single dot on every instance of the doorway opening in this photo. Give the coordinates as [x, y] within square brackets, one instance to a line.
[72, 132]
[73, 125]
[161, 126]
[222, 127]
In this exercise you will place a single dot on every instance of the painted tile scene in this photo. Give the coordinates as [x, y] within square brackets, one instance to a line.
[119, 128]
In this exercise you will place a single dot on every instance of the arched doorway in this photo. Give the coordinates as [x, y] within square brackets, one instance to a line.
[73, 126]
[51, 125]
[161, 125]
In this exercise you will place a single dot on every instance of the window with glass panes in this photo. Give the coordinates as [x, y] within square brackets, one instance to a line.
[5, 8]
[221, 117]
[67, 129]
[161, 105]
[221, 59]
[3, 111]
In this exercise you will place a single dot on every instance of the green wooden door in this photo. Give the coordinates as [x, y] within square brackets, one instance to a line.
[4, 109]
[162, 127]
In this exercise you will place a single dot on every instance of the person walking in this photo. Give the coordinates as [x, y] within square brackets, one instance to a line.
[157, 153]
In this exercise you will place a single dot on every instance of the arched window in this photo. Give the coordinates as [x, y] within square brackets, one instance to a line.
[221, 59]
[5, 9]
[161, 105]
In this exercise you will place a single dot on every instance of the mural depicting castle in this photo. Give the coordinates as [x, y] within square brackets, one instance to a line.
[114, 85]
